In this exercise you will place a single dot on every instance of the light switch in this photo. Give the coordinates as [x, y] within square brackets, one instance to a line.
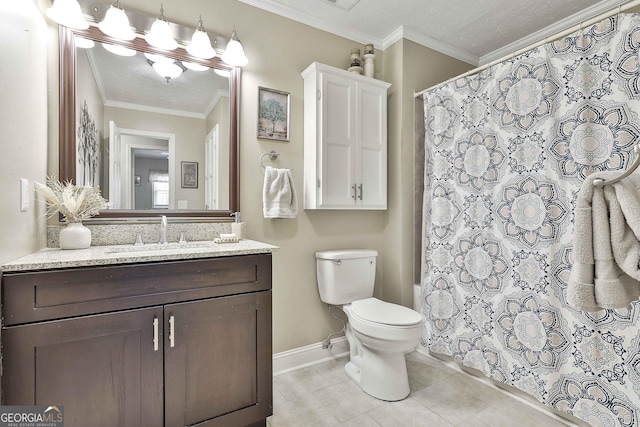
[24, 195]
[183, 204]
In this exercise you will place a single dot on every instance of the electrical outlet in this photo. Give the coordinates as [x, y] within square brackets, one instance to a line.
[24, 195]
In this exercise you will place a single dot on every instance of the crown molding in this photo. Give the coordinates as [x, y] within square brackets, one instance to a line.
[431, 43]
[551, 30]
[298, 16]
[148, 109]
[402, 32]
[218, 96]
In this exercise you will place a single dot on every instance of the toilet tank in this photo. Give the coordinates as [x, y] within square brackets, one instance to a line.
[346, 275]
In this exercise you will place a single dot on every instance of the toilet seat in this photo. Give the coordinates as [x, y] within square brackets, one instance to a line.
[408, 323]
[381, 312]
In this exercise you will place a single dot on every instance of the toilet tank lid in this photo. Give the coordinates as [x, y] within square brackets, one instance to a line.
[347, 253]
[375, 310]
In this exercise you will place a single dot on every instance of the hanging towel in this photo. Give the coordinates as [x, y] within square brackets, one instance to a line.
[606, 246]
[279, 195]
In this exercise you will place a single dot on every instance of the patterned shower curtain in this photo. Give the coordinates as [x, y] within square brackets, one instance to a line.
[506, 152]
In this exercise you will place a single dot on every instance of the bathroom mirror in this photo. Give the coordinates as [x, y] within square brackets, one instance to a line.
[155, 144]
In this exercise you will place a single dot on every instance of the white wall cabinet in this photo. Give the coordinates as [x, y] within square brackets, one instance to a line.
[345, 140]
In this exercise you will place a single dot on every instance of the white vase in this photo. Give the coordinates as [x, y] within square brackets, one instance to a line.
[74, 236]
[369, 65]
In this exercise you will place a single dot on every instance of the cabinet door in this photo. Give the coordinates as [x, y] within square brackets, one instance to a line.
[218, 364]
[102, 369]
[337, 142]
[371, 147]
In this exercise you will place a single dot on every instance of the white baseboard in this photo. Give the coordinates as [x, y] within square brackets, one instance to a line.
[309, 355]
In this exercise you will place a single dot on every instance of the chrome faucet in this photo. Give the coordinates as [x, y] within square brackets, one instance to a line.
[163, 229]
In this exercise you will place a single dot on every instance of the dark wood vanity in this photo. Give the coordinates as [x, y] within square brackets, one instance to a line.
[173, 343]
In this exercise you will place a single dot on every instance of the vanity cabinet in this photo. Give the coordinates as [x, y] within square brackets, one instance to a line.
[345, 140]
[173, 343]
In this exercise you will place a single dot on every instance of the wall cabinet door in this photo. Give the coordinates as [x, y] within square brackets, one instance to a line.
[102, 369]
[371, 147]
[218, 365]
[337, 150]
[345, 140]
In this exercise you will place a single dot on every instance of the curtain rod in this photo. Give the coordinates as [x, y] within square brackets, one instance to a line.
[566, 32]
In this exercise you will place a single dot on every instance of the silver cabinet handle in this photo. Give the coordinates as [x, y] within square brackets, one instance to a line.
[172, 336]
[353, 187]
[155, 333]
[360, 189]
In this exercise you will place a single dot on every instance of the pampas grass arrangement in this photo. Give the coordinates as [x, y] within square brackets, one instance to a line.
[75, 203]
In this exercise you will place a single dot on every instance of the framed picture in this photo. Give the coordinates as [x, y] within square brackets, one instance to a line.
[189, 174]
[273, 114]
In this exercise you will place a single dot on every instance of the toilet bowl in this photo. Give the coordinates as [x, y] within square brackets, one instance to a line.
[379, 333]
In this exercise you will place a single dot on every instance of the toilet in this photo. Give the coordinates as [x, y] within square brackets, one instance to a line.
[379, 333]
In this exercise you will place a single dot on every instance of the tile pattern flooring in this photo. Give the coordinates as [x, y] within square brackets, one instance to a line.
[323, 395]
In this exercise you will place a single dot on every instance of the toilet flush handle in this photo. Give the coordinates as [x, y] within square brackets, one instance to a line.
[337, 262]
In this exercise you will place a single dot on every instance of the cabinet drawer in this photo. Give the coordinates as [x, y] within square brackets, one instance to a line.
[55, 294]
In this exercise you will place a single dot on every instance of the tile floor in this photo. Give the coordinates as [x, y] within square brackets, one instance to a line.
[322, 395]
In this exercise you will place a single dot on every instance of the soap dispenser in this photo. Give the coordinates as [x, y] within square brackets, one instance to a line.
[238, 227]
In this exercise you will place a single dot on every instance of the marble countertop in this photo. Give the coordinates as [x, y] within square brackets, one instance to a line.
[52, 258]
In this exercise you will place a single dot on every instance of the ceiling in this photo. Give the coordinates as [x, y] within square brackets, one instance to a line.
[475, 31]
[131, 82]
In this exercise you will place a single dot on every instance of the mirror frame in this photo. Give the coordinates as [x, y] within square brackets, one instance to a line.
[67, 121]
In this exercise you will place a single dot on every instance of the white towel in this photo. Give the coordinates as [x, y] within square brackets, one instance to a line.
[606, 246]
[279, 194]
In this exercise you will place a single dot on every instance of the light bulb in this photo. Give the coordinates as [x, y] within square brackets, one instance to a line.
[119, 50]
[194, 66]
[200, 45]
[83, 43]
[160, 35]
[234, 55]
[116, 23]
[158, 58]
[168, 71]
[67, 13]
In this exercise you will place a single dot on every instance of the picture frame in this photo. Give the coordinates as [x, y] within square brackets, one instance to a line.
[189, 173]
[273, 114]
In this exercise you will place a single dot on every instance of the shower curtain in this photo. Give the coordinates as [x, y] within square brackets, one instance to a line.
[506, 151]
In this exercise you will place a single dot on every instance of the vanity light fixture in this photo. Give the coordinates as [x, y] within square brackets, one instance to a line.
[83, 43]
[116, 23]
[168, 71]
[160, 35]
[234, 55]
[158, 58]
[67, 13]
[167, 68]
[119, 50]
[200, 45]
[194, 66]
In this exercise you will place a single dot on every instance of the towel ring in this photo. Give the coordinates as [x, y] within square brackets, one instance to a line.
[599, 182]
[272, 156]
